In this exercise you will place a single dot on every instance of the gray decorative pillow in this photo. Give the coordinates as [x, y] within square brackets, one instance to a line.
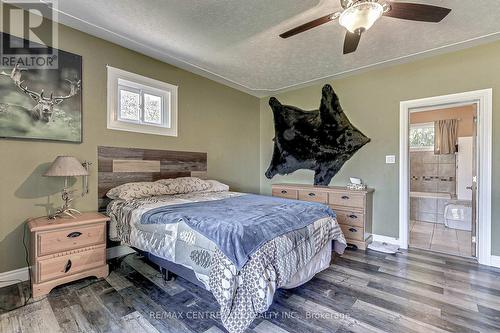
[138, 190]
[184, 185]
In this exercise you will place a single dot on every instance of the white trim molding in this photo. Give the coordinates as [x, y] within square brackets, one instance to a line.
[484, 101]
[495, 261]
[13, 277]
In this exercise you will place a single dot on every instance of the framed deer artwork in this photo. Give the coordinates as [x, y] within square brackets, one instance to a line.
[41, 103]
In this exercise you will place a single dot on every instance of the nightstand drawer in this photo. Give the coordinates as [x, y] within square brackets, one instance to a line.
[53, 268]
[313, 195]
[70, 238]
[352, 232]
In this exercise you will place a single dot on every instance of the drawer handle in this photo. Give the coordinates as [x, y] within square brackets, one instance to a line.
[352, 216]
[67, 267]
[74, 234]
[312, 194]
[345, 197]
[284, 192]
[353, 230]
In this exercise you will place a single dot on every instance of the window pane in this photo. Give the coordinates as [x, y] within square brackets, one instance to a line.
[152, 109]
[129, 105]
[421, 137]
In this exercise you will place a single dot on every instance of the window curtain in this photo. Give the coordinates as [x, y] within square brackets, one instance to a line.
[445, 136]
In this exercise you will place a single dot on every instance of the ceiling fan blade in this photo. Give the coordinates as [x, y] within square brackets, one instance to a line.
[310, 25]
[417, 12]
[351, 42]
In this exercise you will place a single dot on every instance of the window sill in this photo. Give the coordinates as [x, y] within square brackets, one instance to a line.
[422, 149]
[145, 129]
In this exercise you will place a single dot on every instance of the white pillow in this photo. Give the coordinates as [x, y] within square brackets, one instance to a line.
[137, 190]
[216, 186]
[184, 185]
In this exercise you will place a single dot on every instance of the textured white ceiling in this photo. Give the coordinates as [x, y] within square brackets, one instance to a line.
[236, 41]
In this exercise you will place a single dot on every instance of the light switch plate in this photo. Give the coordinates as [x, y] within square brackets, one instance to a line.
[390, 159]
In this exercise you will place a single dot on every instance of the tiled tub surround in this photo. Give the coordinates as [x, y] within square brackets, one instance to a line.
[431, 173]
[427, 209]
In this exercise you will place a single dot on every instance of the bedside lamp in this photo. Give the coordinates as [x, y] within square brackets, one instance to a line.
[66, 166]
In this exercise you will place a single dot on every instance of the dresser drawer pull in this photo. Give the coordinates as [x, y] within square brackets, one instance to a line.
[345, 197]
[67, 267]
[353, 230]
[352, 216]
[284, 192]
[312, 194]
[74, 234]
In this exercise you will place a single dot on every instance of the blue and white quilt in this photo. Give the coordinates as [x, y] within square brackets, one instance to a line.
[242, 247]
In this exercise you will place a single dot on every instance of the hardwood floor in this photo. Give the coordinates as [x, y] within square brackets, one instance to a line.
[414, 291]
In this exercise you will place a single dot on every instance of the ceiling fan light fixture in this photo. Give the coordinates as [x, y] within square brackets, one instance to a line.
[361, 16]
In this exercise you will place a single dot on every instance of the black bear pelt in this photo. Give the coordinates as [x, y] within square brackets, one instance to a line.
[320, 140]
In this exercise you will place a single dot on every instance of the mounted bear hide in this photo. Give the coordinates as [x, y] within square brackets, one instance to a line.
[320, 140]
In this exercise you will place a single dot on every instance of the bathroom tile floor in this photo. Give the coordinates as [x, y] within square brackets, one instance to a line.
[436, 237]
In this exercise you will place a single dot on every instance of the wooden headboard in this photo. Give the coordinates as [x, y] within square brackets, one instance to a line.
[117, 166]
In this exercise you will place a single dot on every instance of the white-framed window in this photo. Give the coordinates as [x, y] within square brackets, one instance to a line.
[422, 137]
[140, 104]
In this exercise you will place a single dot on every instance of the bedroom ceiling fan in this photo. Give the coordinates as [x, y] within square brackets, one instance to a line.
[360, 15]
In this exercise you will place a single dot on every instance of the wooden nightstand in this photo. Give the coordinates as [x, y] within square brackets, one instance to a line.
[65, 249]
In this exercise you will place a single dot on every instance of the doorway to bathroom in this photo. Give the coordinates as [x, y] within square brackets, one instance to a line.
[442, 143]
[445, 174]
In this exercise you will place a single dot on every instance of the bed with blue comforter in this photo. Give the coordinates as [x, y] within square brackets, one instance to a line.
[241, 246]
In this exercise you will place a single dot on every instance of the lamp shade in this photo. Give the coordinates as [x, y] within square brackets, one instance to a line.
[361, 16]
[66, 166]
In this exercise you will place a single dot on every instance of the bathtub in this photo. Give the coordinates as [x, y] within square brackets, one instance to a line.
[429, 206]
[433, 195]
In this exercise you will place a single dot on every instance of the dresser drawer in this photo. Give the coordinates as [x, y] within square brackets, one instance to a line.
[352, 232]
[346, 199]
[285, 193]
[65, 265]
[70, 238]
[350, 218]
[313, 196]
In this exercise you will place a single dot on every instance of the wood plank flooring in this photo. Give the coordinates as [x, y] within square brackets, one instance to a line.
[414, 291]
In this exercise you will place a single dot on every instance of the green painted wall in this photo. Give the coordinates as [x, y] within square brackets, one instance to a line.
[212, 118]
[371, 101]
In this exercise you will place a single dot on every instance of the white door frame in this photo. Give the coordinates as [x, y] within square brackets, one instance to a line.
[484, 101]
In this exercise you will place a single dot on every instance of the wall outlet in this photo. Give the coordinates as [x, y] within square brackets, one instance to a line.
[390, 159]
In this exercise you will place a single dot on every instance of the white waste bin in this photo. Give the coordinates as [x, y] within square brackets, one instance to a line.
[458, 215]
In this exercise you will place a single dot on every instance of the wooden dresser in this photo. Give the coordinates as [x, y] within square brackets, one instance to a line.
[66, 249]
[353, 208]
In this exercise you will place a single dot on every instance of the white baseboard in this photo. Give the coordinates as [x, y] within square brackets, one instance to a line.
[13, 277]
[495, 261]
[22, 274]
[385, 239]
